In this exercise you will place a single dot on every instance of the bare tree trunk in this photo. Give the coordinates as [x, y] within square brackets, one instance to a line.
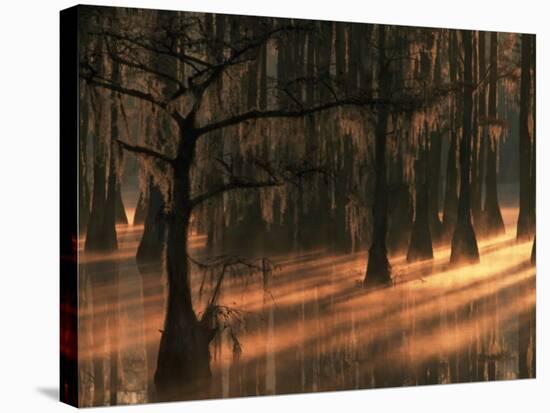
[303, 227]
[476, 138]
[426, 202]
[494, 225]
[482, 116]
[451, 200]
[141, 209]
[464, 243]
[120, 211]
[109, 218]
[400, 210]
[183, 366]
[434, 156]
[450, 206]
[243, 233]
[340, 46]
[343, 155]
[83, 187]
[341, 239]
[151, 243]
[434, 165]
[317, 225]
[221, 236]
[101, 235]
[109, 230]
[95, 224]
[420, 247]
[378, 267]
[526, 219]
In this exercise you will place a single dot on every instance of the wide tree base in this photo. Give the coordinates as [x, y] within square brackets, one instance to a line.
[464, 244]
[526, 226]
[101, 239]
[149, 252]
[141, 210]
[183, 366]
[400, 219]
[493, 224]
[420, 248]
[378, 268]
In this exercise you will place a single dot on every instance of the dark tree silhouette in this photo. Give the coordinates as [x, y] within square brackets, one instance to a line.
[401, 211]
[493, 223]
[479, 216]
[84, 189]
[183, 365]
[434, 176]
[420, 247]
[427, 168]
[475, 180]
[526, 219]
[141, 209]
[464, 243]
[378, 266]
[101, 234]
[450, 206]
[221, 90]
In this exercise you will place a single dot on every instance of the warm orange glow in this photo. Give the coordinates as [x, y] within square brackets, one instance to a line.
[316, 328]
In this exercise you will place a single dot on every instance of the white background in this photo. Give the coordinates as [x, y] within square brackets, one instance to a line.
[29, 205]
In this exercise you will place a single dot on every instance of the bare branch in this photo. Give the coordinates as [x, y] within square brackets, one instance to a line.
[238, 56]
[222, 266]
[230, 186]
[98, 82]
[183, 57]
[277, 175]
[145, 68]
[145, 151]
[257, 114]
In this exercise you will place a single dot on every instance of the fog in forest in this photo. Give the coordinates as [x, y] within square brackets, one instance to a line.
[274, 206]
